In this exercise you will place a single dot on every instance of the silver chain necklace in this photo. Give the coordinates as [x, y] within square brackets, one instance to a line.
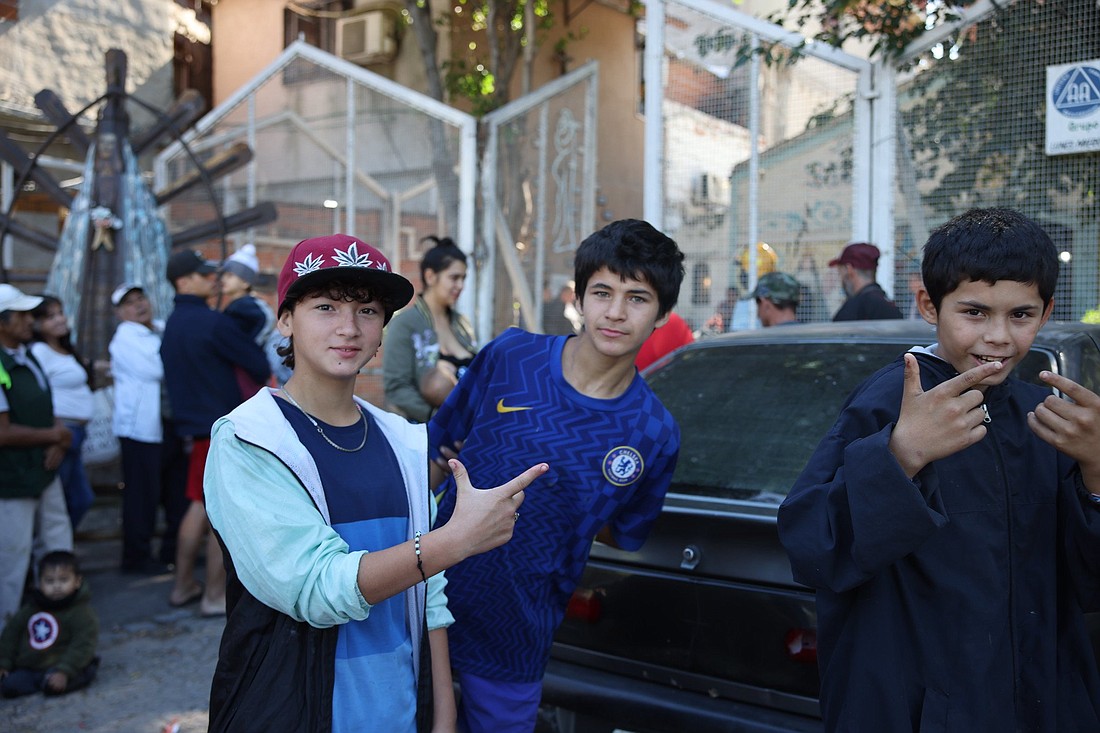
[328, 440]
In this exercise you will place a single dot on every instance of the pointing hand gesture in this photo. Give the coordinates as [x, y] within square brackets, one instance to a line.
[941, 421]
[1072, 427]
[486, 517]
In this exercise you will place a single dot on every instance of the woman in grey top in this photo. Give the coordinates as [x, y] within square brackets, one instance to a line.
[429, 344]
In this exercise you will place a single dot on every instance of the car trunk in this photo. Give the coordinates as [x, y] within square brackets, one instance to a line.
[708, 603]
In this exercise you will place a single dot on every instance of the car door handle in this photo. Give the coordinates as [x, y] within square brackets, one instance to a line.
[690, 557]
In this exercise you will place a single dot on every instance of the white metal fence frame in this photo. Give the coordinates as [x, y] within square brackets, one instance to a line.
[876, 178]
[494, 228]
[873, 153]
[875, 140]
[199, 140]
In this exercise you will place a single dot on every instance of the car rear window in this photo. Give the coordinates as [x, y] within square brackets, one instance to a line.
[751, 416]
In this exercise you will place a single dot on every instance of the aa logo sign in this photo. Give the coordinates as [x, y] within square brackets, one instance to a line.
[1073, 108]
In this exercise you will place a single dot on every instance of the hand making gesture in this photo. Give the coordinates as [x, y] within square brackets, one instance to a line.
[941, 421]
[487, 517]
[1071, 425]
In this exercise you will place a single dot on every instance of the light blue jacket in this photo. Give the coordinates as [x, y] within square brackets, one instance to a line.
[265, 499]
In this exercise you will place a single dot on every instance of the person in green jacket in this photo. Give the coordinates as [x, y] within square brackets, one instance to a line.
[49, 644]
[32, 444]
[428, 345]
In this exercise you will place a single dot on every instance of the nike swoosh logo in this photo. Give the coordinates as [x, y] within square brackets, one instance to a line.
[502, 408]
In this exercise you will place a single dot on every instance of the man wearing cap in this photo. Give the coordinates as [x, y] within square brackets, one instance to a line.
[32, 444]
[154, 465]
[866, 298]
[200, 349]
[777, 295]
[322, 502]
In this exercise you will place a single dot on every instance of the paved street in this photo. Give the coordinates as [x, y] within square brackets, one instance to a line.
[156, 660]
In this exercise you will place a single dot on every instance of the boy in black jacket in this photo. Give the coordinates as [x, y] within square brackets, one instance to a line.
[49, 644]
[950, 520]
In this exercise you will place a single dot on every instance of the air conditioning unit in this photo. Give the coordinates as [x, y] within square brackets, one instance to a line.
[710, 189]
[367, 38]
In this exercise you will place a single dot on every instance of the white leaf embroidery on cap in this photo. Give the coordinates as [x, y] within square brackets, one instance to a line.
[310, 264]
[352, 258]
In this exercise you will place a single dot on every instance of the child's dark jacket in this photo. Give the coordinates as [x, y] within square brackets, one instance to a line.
[46, 635]
[952, 602]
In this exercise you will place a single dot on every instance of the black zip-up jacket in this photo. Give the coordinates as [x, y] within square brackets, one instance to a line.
[952, 602]
[869, 304]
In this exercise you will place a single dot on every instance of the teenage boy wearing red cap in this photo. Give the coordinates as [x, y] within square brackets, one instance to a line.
[321, 501]
[867, 300]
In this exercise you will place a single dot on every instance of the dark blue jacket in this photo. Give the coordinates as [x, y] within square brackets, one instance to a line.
[952, 602]
[199, 349]
[869, 304]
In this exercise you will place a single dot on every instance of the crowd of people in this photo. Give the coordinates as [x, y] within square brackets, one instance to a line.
[170, 382]
[364, 575]
[778, 295]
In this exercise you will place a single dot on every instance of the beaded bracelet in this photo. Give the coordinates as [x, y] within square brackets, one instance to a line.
[419, 560]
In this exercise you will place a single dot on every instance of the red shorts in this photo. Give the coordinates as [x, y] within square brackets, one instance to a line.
[196, 467]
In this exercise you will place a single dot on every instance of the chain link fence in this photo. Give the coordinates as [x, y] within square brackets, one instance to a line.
[538, 199]
[967, 130]
[971, 128]
[717, 101]
[339, 150]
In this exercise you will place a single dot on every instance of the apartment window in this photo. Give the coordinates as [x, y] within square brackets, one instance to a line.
[315, 23]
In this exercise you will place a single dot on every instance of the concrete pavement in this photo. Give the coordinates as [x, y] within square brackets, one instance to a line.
[157, 661]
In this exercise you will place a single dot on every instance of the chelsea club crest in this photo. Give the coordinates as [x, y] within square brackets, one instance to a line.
[622, 465]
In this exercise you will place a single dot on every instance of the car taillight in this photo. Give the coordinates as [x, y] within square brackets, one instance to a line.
[584, 605]
[802, 645]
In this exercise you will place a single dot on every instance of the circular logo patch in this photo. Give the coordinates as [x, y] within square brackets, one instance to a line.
[622, 465]
[42, 629]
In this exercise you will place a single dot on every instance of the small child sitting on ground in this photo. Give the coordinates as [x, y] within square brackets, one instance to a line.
[49, 644]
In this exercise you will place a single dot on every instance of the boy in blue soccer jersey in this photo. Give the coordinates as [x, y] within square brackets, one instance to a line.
[321, 502]
[578, 403]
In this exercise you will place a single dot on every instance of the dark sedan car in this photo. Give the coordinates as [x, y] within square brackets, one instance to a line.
[704, 629]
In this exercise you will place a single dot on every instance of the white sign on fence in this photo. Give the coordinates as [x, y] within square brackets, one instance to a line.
[1073, 108]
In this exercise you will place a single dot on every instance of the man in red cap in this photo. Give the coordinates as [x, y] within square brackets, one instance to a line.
[866, 299]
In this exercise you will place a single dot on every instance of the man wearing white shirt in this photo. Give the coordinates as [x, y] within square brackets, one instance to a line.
[153, 463]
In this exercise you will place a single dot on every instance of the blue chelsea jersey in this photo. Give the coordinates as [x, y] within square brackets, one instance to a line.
[611, 462]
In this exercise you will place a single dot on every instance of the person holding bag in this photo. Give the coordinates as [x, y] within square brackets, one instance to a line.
[429, 345]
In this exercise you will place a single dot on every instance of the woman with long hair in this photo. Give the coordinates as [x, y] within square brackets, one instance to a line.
[429, 344]
[70, 377]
